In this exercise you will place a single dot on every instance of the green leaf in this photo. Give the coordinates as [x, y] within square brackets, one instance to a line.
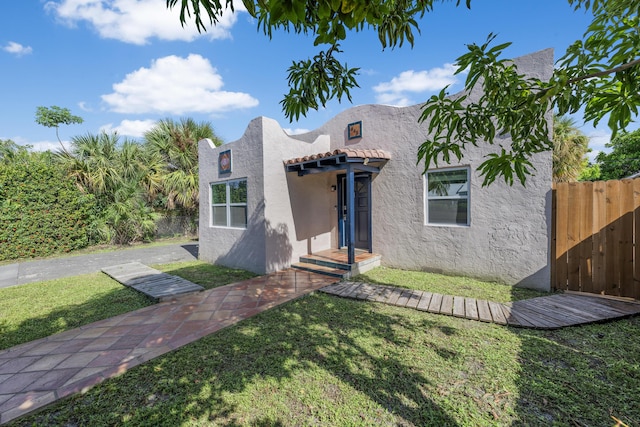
[598, 73]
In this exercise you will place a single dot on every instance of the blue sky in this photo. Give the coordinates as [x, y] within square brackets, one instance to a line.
[124, 64]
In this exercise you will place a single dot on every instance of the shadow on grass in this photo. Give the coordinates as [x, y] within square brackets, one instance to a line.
[320, 360]
[59, 319]
[584, 375]
[103, 298]
[324, 360]
[206, 275]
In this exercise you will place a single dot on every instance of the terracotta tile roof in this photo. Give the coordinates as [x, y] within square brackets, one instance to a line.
[349, 152]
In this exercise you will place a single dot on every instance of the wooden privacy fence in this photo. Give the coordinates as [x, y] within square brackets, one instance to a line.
[595, 237]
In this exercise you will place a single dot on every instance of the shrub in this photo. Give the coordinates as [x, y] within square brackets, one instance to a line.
[42, 211]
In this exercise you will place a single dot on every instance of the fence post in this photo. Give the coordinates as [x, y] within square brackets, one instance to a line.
[612, 250]
[562, 207]
[636, 238]
[599, 236]
[573, 237]
[554, 235]
[586, 236]
[626, 238]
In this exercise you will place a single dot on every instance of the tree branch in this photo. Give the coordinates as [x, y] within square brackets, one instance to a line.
[605, 72]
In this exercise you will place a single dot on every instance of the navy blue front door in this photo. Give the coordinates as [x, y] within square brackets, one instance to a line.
[362, 223]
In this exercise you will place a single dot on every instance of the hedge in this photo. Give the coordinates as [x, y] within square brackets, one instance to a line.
[42, 212]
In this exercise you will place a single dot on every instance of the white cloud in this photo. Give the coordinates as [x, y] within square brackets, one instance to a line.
[38, 145]
[597, 141]
[137, 21]
[178, 86]
[392, 98]
[84, 107]
[368, 71]
[17, 49]
[297, 131]
[132, 128]
[45, 145]
[49, 145]
[398, 90]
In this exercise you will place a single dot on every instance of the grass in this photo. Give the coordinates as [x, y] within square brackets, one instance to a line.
[204, 274]
[40, 309]
[37, 310]
[447, 285]
[323, 360]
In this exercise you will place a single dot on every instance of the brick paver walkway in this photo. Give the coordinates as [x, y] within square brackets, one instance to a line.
[40, 372]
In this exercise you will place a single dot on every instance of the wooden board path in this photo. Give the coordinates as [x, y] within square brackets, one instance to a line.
[151, 282]
[547, 312]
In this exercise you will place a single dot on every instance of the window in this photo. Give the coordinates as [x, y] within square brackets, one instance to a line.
[448, 197]
[229, 204]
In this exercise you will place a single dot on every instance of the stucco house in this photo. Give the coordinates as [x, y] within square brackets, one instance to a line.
[352, 188]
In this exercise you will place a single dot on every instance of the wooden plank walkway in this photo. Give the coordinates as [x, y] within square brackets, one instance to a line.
[151, 282]
[547, 312]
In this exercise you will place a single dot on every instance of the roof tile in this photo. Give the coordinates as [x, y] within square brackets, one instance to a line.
[350, 152]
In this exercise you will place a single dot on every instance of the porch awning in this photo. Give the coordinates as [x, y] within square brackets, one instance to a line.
[339, 159]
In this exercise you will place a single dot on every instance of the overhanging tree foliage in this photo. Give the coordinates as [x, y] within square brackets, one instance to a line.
[54, 116]
[624, 158]
[599, 74]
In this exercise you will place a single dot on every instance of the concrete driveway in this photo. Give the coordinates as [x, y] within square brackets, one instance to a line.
[54, 268]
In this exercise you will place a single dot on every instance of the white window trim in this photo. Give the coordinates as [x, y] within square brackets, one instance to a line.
[427, 198]
[227, 203]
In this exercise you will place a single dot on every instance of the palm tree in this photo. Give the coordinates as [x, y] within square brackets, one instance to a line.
[92, 161]
[176, 144]
[570, 147]
[120, 176]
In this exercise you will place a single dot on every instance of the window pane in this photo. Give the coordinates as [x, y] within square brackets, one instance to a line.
[238, 191]
[448, 211]
[238, 216]
[219, 216]
[448, 183]
[218, 193]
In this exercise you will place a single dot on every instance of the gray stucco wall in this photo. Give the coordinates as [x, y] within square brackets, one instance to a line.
[508, 236]
[298, 210]
[237, 248]
[507, 239]
[287, 217]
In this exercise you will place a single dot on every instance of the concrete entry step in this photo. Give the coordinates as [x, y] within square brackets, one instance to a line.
[325, 262]
[322, 269]
[151, 282]
[335, 260]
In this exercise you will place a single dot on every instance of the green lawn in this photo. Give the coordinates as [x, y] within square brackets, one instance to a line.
[206, 275]
[323, 360]
[447, 285]
[37, 310]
